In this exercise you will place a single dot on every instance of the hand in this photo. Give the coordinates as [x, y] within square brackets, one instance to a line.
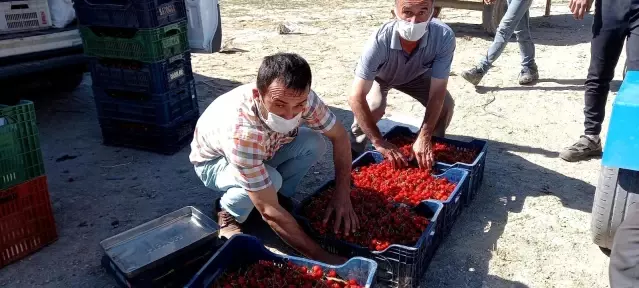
[341, 205]
[489, 2]
[392, 153]
[423, 152]
[579, 8]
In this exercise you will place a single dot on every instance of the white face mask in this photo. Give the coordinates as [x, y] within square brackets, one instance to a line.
[411, 31]
[277, 123]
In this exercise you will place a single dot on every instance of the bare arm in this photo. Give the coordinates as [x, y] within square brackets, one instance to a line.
[433, 106]
[341, 204]
[423, 146]
[286, 227]
[363, 114]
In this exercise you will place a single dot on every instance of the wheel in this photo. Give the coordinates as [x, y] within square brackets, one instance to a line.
[66, 80]
[616, 190]
[216, 43]
[492, 14]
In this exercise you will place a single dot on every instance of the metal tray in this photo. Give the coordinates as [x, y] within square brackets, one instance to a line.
[145, 246]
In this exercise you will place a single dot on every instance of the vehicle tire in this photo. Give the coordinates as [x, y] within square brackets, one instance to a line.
[66, 80]
[216, 43]
[616, 190]
[492, 14]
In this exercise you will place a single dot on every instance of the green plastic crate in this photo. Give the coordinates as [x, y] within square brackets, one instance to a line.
[20, 155]
[146, 45]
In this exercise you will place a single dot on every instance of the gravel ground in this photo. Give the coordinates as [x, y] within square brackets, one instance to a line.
[528, 228]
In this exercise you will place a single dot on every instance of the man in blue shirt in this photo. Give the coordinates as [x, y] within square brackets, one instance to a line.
[412, 54]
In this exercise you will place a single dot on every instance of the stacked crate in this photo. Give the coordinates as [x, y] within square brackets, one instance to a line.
[24, 15]
[141, 69]
[26, 217]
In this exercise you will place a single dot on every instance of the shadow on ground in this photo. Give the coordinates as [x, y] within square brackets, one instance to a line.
[567, 85]
[554, 30]
[463, 259]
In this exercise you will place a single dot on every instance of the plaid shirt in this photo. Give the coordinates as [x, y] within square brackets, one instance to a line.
[230, 128]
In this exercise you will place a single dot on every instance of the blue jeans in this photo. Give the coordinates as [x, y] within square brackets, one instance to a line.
[286, 169]
[515, 20]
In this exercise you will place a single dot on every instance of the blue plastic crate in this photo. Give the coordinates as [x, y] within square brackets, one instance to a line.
[145, 14]
[398, 265]
[157, 109]
[160, 139]
[245, 250]
[475, 169]
[622, 143]
[452, 206]
[135, 76]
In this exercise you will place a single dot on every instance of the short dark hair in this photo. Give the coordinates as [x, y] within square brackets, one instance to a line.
[289, 68]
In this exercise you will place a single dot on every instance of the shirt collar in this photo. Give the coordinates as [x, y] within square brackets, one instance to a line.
[397, 45]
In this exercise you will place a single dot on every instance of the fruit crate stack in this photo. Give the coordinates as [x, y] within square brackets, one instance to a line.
[141, 70]
[26, 217]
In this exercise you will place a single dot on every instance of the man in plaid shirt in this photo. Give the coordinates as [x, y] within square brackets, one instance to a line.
[249, 146]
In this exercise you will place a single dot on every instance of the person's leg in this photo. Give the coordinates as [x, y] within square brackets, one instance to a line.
[294, 159]
[609, 33]
[419, 88]
[219, 176]
[515, 12]
[624, 258]
[376, 99]
[529, 72]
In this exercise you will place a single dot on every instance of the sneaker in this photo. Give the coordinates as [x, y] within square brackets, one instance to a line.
[228, 225]
[528, 75]
[583, 149]
[473, 75]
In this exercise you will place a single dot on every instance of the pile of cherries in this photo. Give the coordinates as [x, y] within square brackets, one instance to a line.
[382, 222]
[442, 152]
[272, 274]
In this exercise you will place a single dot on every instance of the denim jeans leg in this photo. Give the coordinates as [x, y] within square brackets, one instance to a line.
[526, 45]
[515, 12]
[294, 159]
[218, 175]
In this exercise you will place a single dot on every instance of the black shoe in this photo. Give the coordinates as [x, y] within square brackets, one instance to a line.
[473, 75]
[528, 75]
[585, 148]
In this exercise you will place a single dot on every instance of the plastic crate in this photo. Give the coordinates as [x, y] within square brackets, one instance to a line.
[150, 45]
[130, 13]
[159, 139]
[175, 274]
[26, 220]
[135, 76]
[452, 206]
[398, 265]
[19, 16]
[245, 250]
[475, 169]
[20, 155]
[158, 109]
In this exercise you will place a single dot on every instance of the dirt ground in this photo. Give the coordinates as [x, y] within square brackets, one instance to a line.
[529, 227]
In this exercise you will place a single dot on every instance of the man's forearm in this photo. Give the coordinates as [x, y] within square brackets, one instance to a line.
[342, 160]
[365, 118]
[434, 107]
[291, 233]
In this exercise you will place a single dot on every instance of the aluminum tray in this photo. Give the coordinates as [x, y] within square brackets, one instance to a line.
[151, 243]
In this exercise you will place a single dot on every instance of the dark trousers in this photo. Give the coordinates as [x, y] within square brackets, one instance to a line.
[615, 22]
[624, 258]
